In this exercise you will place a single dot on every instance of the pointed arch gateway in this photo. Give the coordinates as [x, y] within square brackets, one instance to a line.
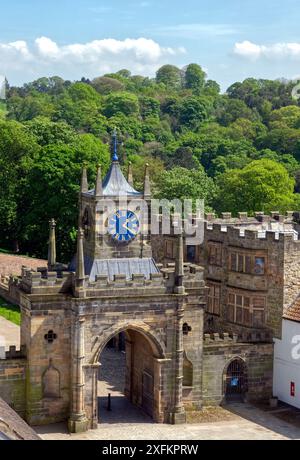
[144, 369]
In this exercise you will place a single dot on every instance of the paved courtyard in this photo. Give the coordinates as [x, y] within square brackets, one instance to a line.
[252, 424]
[127, 422]
[9, 334]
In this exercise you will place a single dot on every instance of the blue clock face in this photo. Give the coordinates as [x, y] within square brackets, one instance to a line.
[123, 226]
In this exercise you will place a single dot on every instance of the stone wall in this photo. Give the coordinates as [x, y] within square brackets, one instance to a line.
[258, 359]
[270, 285]
[291, 271]
[13, 383]
[48, 361]
[193, 349]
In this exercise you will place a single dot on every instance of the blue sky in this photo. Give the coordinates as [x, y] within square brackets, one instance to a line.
[231, 39]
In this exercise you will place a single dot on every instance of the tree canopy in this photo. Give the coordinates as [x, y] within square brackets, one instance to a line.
[230, 149]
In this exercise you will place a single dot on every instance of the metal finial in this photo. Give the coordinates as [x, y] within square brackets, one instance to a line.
[115, 143]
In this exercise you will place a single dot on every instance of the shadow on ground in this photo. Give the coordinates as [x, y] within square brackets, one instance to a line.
[264, 418]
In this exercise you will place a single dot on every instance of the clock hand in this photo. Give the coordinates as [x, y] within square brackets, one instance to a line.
[129, 229]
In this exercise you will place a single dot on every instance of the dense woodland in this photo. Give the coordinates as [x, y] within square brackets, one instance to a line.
[240, 151]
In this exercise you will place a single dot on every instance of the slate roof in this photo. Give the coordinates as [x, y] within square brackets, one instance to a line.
[293, 312]
[127, 267]
[12, 426]
[115, 184]
[123, 266]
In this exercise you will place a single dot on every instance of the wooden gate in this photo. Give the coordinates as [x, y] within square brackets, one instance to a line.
[147, 393]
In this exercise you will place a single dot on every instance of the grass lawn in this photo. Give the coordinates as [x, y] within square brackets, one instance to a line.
[10, 311]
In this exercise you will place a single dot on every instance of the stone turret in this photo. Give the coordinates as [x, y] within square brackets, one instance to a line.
[98, 187]
[84, 182]
[52, 245]
[179, 268]
[80, 272]
[130, 175]
[147, 188]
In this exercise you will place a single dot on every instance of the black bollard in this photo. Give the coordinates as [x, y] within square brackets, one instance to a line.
[109, 402]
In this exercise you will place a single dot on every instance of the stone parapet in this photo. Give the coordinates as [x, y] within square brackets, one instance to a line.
[38, 282]
[219, 338]
[251, 234]
[13, 353]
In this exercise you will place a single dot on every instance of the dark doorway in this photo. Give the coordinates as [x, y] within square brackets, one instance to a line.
[126, 373]
[235, 381]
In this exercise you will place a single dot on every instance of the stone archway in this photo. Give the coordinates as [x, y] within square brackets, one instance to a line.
[144, 371]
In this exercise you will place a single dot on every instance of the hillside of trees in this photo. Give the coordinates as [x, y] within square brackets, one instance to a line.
[240, 151]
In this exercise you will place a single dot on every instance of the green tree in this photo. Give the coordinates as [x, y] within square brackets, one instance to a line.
[50, 132]
[121, 103]
[18, 150]
[138, 162]
[53, 192]
[286, 116]
[233, 109]
[192, 111]
[262, 185]
[194, 78]
[79, 106]
[34, 105]
[182, 183]
[106, 85]
[281, 140]
[170, 76]
[149, 107]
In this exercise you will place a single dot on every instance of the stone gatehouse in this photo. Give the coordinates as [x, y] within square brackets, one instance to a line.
[182, 349]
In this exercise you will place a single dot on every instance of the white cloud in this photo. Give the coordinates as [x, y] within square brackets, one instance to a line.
[253, 51]
[74, 60]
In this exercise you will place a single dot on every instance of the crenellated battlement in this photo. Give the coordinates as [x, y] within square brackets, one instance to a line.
[258, 217]
[121, 281]
[217, 337]
[13, 353]
[232, 232]
[160, 283]
[35, 282]
[224, 338]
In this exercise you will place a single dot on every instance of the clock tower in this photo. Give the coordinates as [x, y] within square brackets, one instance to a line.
[115, 220]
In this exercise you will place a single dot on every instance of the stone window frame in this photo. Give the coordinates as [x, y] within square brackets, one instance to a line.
[215, 253]
[245, 261]
[248, 308]
[213, 300]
